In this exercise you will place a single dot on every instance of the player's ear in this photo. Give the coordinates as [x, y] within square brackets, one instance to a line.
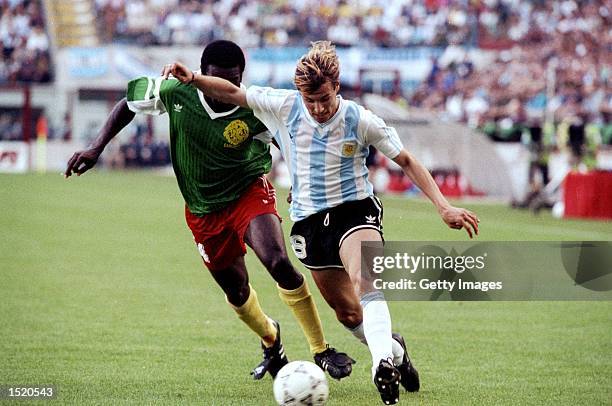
[337, 86]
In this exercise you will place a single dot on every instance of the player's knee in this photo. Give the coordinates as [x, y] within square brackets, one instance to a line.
[238, 295]
[275, 260]
[284, 273]
[349, 317]
[280, 264]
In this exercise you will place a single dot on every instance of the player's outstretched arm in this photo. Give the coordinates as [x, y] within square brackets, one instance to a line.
[454, 217]
[214, 87]
[84, 160]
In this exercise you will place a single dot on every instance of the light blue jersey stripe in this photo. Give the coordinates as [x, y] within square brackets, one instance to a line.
[347, 164]
[368, 185]
[347, 179]
[294, 123]
[279, 139]
[317, 170]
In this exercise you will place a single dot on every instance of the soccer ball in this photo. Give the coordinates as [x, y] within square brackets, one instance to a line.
[301, 383]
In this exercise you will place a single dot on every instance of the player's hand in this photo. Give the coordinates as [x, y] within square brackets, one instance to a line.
[82, 161]
[458, 218]
[179, 71]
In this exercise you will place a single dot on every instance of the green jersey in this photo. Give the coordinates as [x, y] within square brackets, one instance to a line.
[215, 156]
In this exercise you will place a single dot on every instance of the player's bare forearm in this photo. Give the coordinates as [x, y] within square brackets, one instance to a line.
[82, 161]
[422, 178]
[120, 116]
[220, 89]
[454, 217]
[214, 87]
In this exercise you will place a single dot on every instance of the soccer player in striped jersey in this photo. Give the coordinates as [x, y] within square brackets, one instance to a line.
[324, 139]
[220, 154]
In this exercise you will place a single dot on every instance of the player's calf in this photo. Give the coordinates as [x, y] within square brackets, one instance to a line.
[282, 271]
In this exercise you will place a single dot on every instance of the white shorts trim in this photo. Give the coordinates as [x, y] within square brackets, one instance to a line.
[352, 230]
[322, 267]
[378, 205]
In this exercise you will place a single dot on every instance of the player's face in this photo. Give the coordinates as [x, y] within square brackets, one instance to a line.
[232, 74]
[323, 103]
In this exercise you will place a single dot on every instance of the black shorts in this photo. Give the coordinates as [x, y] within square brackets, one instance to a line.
[316, 240]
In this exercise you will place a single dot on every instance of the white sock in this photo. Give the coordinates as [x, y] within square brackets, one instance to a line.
[377, 327]
[398, 350]
[398, 353]
[358, 333]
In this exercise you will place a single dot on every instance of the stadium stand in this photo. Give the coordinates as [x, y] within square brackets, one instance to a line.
[516, 70]
[24, 43]
[536, 41]
[73, 22]
[281, 23]
[555, 43]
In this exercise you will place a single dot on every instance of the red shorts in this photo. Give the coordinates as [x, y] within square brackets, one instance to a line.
[220, 235]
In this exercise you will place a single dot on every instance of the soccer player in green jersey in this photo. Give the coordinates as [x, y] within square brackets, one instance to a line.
[220, 161]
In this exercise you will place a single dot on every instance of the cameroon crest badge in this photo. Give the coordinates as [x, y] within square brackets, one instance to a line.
[236, 133]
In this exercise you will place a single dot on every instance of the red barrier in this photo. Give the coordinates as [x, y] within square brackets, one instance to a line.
[588, 195]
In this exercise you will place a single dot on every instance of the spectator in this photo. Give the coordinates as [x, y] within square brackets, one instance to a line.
[557, 66]
[10, 126]
[37, 40]
[347, 22]
[24, 44]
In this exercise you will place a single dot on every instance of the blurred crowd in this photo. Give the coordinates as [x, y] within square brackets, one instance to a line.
[556, 73]
[550, 55]
[382, 23]
[10, 126]
[515, 69]
[139, 150]
[24, 43]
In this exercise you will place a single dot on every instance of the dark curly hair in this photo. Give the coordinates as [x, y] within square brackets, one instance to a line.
[222, 53]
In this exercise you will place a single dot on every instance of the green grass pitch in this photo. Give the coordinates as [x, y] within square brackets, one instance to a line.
[103, 294]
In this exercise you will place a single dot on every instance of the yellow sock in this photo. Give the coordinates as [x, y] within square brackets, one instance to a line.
[252, 315]
[304, 310]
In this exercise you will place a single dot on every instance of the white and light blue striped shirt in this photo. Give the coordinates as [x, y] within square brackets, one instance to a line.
[326, 161]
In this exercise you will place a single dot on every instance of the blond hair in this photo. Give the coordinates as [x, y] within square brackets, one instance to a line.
[319, 65]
